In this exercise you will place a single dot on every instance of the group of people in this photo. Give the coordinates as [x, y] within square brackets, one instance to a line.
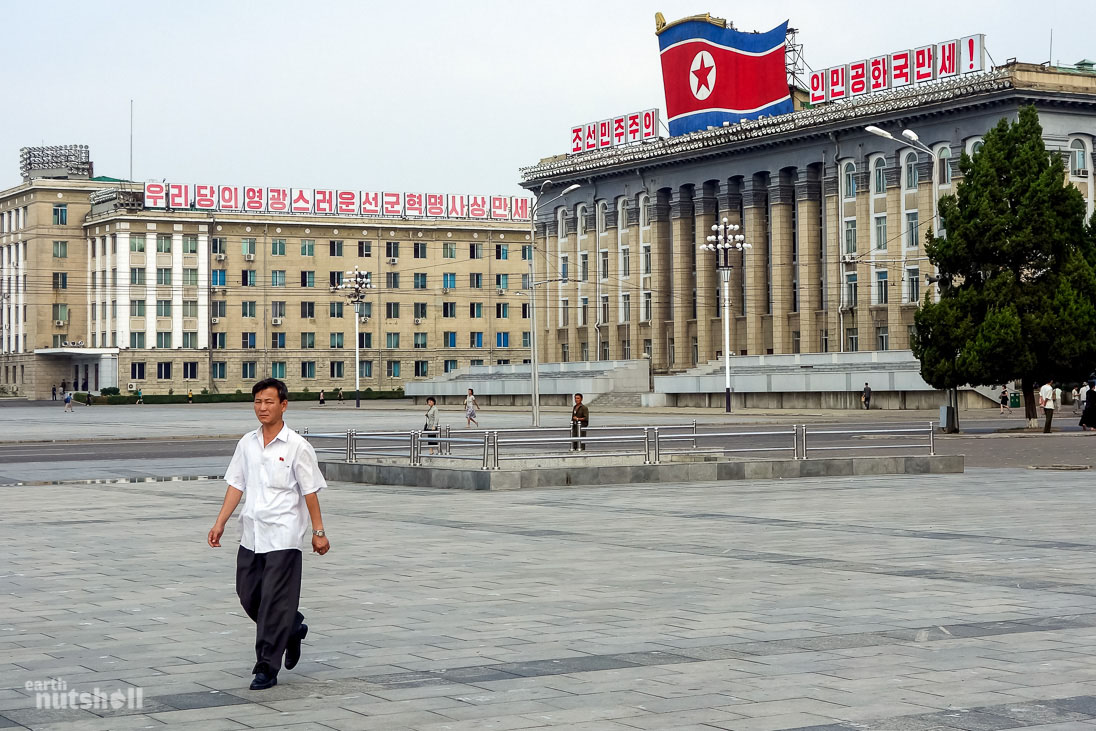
[580, 419]
[1050, 399]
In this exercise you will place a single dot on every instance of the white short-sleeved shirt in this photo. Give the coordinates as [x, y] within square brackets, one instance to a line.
[274, 480]
[1047, 394]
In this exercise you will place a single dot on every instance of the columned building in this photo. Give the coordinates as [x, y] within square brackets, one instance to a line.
[836, 217]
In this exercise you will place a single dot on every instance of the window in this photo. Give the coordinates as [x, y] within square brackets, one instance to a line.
[60, 280]
[420, 340]
[219, 278]
[365, 368]
[580, 221]
[564, 353]
[625, 263]
[850, 290]
[335, 340]
[248, 246]
[163, 339]
[247, 370]
[137, 243]
[219, 369]
[824, 340]
[475, 310]
[137, 371]
[334, 248]
[913, 284]
[60, 214]
[163, 308]
[449, 365]
[449, 339]
[419, 310]
[392, 368]
[526, 252]
[475, 251]
[449, 250]
[944, 158]
[392, 280]
[525, 281]
[247, 278]
[163, 276]
[645, 254]
[563, 267]
[850, 180]
[421, 368]
[911, 230]
[502, 281]
[420, 281]
[879, 176]
[392, 249]
[190, 277]
[365, 309]
[277, 369]
[502, 340]
[420, 249]
[137, 308]
[60, 312]
[308, 310]
[910, 166]
[217, 245]
[603, 270]
[308, 247]
[564, 312]
[648, 306]
[583, 311]
[475, 340]
[1078, 164]
[60, 249]
[502, 251]
[308, 341]
[976, 148]
[247, 308]
[852, 339]
[604, 308]
[626, 307]
[881, 287]
[308, 279]
[190, 246]
[277, 341]
[449, 280]
[882, 338]
[277, 277]
[136, 339]
[163, 371]
[247, 341]
[850, 236]
[525, 310]
[190, 369]
[475, 281]
[881, 232]
[190, 308]
[308, 369]
[336, 369]
[584, 267]
[334, 279]
[502, 310]
[218, 341]
[277, 308]
[448, 309]
[365, 249]
[644, 212]
[334, 309]
[392, 340]
[796, 341]
[392, 310]
[277, 247]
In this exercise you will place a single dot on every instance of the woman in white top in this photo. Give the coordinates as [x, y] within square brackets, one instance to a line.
[431, 426]
[470, 409]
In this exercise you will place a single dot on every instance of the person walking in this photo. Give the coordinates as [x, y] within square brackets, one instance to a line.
[1075, 397]
[277, 469]
[140, 398]
[1088, 412]
[1046, 400]
[68, 401]
[471, 407]
[1004, 401]
[339, 395]
[87, 398]
[865, 396]
[190, 395]
[54, 396]
[322, 399]
[430, 428]
[580, 421]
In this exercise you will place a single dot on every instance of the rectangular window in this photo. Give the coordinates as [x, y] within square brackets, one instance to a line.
[308, 369]
[911, 230]
[248, 246]
[526, 252]
[604, 268]
[392, 310]
[449, 365]
[60, 249]
[137, 243]
[190, 340]
[392, 368]
[392, 280]
[502, 281]
[563, 268]
[218, 341]
[645, 253]
[626, 307]
[882, 338]
[277, 277]
[475, 340]
[247, 370]
[163, 371]
[60, 312]
[852, 339]
[448, 309]
[334, 279]
[449, 280]
[525, 281]
[420, 281]
[502, 340]
[217, 245]
[824, 340]
[334, 248]
[308, 279]
[475, 310]
[850, 290]
[502, 251]
[392, 340]
[60, 280]
[308, 247]
[277, 341]
[449, 339]
[850, 236]
[648, 306]
[420, 249]
[526, 339]
[247, 308]
[421, 368]
[137, 371]
[60, 214]
[163, 308]
[502, 310]
[420, 340]
[584, 312]
[392, 249]
[334, 309]
[881, 288]
[475, 251]
[365, 249]
[163, 339]
[604, 308]
[625, 263]
[335, 340]
[277, 369]
[163, 276]
[475, 281]
[365, 368]
[219, 370]
[881, 232]
[449, 250]
[308, 341]
[913, 285]
[584, 267]
[136, 339]
[308, 310]
[163, 243]
[219, 278]
[336, 369]
[419, 310]
[190, 246]
[190, 277]
[247, 341]
[247, 278]
[190, 308]
[277, 308]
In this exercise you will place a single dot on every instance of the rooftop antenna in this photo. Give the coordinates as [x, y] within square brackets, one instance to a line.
[1050, 58]
[131, 139]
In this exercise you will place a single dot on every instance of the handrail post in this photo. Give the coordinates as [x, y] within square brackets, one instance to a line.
[795, 442]
[495, 441]
[447, 445]
[932, 438]
[486, 450]
[350, 455]
[305, 431]
[656, 449]
[694, 433]
[412, 449]
[646, 445]
[803, 441]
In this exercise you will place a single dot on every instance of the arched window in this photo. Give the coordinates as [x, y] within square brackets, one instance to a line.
[1078, 164]
[944, 159]
[622, 214]
[562, 220]
[601, 211]
[879, 176]
[644, 212]
[976, 148]
[850, 180]
[581, 220]
[910, 165]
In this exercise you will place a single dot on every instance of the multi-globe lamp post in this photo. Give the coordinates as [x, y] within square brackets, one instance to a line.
[724, 240]
[355, 287]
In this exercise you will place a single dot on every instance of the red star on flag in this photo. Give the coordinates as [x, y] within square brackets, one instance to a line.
[701, 74]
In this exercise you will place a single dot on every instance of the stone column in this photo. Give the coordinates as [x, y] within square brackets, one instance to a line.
[865, 270]
[730, 207]
[661, 282]
[705, 210]
[683, 262]
[781, 200]
[612, 241]
[808, 194]
[568, 245]
[755, 198]
[835, 271]
[611, 287]
[547, 321]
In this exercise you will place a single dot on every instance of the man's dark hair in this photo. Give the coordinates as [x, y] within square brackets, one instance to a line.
[579, 395]
[283, 392]
[431, 400]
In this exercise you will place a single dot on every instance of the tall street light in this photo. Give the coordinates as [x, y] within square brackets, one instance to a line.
[725, 240]
[355, 286]
[534, 366]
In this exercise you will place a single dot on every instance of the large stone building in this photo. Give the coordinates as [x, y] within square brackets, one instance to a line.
[836, 217]
[96, 289]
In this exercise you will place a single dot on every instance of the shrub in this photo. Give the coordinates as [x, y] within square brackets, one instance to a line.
[110, 391]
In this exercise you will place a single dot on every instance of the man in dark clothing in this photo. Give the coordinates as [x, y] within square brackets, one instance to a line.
[866, 396]
[580, 420]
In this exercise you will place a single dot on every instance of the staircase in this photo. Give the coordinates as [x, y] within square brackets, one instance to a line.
[619, 400]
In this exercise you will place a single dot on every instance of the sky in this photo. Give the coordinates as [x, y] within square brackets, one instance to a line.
[401, 96]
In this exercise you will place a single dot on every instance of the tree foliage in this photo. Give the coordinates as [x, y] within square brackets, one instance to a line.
[1017, 269]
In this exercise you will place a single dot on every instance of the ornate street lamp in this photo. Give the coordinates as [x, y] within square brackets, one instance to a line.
[725, 240]
[355, 286]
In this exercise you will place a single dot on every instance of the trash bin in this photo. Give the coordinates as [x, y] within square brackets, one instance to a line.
[1014, 400]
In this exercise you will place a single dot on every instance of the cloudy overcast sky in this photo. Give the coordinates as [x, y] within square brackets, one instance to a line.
[406, 95]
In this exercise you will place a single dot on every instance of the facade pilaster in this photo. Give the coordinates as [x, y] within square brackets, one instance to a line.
[683, 263]
[661, 283]
[782, 269]
[755, 200]
[808, 195]
[705, 210]
[729, 201]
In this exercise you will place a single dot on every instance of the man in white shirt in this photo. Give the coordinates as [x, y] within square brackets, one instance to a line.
[1046, 398]
[276, 468]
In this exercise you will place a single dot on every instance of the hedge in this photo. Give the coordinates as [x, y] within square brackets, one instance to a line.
[219, 398]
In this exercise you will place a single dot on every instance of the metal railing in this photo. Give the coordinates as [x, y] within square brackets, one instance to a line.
[653, 443]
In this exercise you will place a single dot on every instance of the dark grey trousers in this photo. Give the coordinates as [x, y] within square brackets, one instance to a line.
[269, 587]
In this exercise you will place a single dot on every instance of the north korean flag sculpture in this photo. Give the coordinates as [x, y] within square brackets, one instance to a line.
[714, 74]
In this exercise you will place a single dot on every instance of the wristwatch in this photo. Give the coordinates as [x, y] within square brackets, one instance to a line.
[319, 533]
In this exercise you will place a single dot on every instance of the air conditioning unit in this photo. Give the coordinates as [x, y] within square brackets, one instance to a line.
[249, 257]
[275, 321]
[848, 258]
[418, 320]
[445, 290]
[214, 320]
[220, 257]
[59, 323]
[500, 291]
[131, 386]
[393, 260]
[363, 318]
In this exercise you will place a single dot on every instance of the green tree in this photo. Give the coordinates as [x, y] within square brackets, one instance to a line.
[1017, 268]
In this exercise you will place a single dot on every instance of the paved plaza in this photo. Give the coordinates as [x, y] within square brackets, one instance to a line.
[943, 602]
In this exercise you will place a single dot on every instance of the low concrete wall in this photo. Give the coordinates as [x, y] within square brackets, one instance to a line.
[712, 470]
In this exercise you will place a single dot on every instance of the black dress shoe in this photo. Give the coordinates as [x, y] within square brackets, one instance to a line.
[263, 681]
[293, 649]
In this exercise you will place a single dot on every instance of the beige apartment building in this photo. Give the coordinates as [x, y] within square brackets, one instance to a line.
[97, 289]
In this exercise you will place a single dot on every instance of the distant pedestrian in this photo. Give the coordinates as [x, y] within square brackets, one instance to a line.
[1075, 397]
[323, 400]
[68, 401]
[865, 396]
[1088, 415]
[471, 406]
[1004, 401]
[140, 398]
[190, 395]
[580, 421]
[339, 395]
[85, 386]
[54, 396]
[64, 385]
[1046, 400]
[87, 398]
[430, 428]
